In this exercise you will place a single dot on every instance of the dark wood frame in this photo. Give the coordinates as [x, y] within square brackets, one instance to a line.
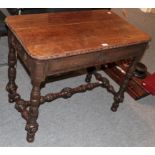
[40, 69]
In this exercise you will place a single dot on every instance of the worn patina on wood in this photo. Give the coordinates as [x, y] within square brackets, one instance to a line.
[55, 43]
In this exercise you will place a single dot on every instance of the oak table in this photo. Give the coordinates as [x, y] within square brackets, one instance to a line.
[55, 43]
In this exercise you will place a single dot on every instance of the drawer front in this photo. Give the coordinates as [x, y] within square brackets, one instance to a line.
[72, 63]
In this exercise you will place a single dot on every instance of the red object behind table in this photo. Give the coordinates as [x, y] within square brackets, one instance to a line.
[149, 84]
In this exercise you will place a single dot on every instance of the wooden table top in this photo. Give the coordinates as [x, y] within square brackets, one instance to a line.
[55, 35]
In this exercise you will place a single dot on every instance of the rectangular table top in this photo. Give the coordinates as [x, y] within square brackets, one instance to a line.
[54, 35]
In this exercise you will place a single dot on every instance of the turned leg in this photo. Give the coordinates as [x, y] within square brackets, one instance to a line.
[119, 96]
[11, 86]
[90, 71]
[32, 125]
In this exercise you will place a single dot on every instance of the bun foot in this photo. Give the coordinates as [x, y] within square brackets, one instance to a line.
[114, 108]
[30, 138]
[88, 78]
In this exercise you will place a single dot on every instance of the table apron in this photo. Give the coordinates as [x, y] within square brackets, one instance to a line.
[82, 61]
[71, 63]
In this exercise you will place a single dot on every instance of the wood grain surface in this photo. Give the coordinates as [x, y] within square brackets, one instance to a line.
[54, 35]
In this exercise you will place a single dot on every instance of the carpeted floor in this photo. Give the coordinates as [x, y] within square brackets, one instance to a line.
[84, 119]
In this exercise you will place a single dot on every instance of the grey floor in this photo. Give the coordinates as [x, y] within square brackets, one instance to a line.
[84, 119]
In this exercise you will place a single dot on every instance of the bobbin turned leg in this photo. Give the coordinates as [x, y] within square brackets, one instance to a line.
[32, 125]
[11, 86]
[90, 72]
[119, 96]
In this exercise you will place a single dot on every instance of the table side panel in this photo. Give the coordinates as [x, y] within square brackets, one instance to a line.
[72, 63]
